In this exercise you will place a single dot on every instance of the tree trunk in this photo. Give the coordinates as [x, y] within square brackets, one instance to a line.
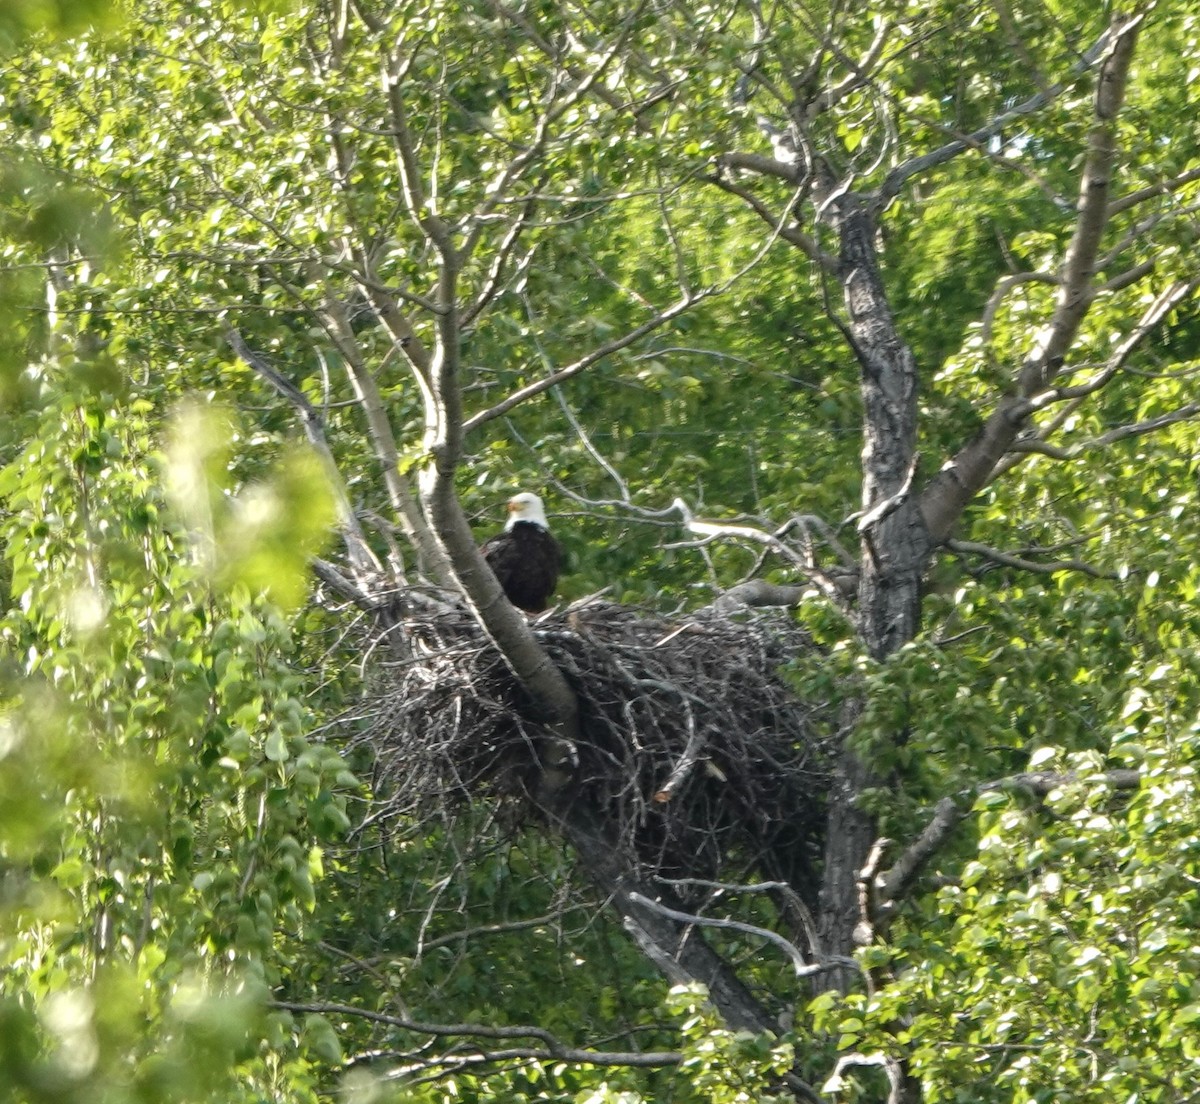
[895, 548]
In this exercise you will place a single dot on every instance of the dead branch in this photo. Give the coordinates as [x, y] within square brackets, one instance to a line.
[712, 530]
[895, 1074]
[688, 760]
[800, 966]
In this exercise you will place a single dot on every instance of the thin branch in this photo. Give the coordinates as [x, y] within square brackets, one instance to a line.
[489, 929]
[806, 244]
[1127, 278]
[557, 106]
[712, 530]
[800, 965]
[554, 1049]
[362, 559]
[496, 270]
[894, 884]
[1150, 425]
[1008, 559]
[1131, 199]
[896, 179]
[860, 72]
[571, 370]
[1074, 396]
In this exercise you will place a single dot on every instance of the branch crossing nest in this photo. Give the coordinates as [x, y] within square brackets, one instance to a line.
[694, 751]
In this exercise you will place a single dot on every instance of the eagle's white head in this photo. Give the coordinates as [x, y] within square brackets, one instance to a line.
[526, 507]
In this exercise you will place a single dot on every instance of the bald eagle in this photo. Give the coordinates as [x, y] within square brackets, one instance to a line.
[525, 557]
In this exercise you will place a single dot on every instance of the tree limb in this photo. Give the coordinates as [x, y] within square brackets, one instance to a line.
[897, 178]
[1132, 199]
[1008, 559]
[806, 244]
[945, 497]
[594, 357]
[759, 536]
[553, 1048]
[894, 884]
[1073, 396]
[362, 559]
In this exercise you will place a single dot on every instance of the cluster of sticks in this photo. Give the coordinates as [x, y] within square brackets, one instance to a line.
[694, 749]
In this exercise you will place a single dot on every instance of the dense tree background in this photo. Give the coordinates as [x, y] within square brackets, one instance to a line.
[271, 275]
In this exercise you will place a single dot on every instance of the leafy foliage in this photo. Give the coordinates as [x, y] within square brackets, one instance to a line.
[197, 897]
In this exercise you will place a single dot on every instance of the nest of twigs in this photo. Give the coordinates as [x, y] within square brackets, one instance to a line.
[694, 749]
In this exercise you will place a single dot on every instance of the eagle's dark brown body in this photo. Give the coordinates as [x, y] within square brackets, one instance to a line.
[526, 559]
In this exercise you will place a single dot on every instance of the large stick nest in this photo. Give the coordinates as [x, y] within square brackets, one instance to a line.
[695, 751]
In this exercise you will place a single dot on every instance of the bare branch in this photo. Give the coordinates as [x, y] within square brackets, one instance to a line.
[688, 760]
[896, 179]
[806, 244]
[800, 965]
[500, 260]
[1132, 199]
[1138, 229]
[1075, 395]
[1008, 559]
[488, 929]
[1127, 278]
[891, 1066]
[343, 587]
[712, 529]
[362, 559]
[581, 365]
[758, 163]
[553, 1048]
[561, 58]
[860, 72]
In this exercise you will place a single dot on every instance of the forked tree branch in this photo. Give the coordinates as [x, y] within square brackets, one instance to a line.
[893, 885]
[947, 495]
[897, 178]
[1073, 396]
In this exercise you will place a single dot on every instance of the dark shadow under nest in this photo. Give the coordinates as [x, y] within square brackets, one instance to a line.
[695, 754]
